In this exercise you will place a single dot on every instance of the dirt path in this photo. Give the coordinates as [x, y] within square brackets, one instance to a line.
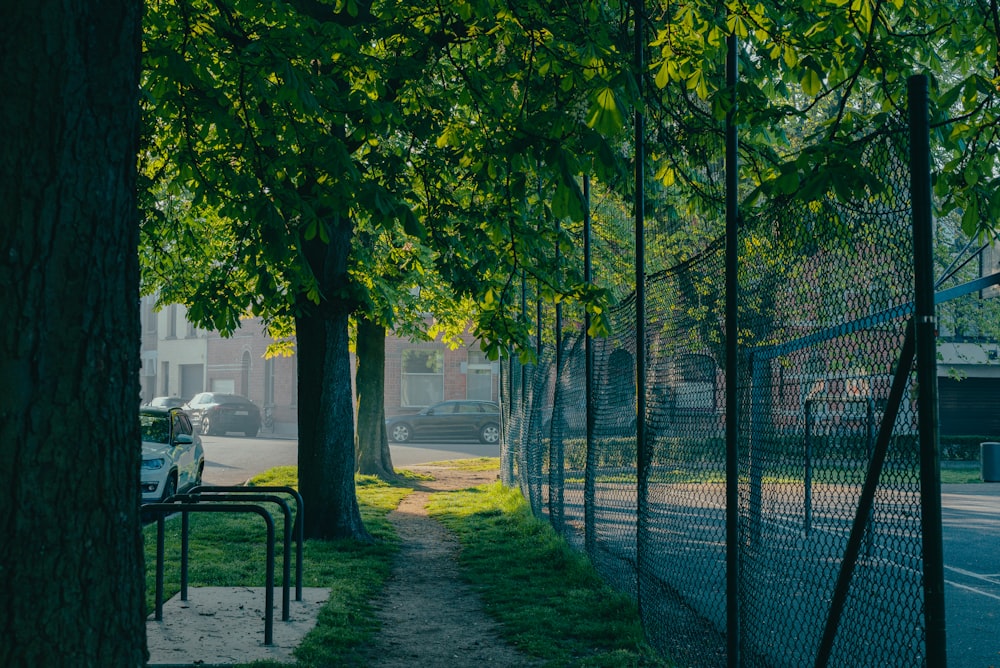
[429, 616]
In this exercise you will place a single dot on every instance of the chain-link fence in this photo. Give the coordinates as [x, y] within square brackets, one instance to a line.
[815, 546]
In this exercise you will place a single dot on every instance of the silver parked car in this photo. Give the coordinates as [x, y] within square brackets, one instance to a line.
[173, 458]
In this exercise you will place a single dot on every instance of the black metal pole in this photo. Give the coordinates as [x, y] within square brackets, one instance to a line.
[926, 352]
[732, 363]
[523, 398]
[642, 451]
[556, 463]
[807, 522]
[160, 528]
[589, 475]
[185, 529]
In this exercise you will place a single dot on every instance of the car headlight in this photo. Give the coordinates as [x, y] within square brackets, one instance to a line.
[152, 464]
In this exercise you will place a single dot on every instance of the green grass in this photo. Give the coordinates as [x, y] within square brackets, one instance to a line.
[551, 601]
[960, 472]
[473, 464]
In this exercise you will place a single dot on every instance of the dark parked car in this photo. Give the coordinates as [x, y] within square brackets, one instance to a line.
[465, 419]
[218, 413]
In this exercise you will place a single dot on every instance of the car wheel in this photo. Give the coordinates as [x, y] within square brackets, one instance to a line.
[206, 426]
[490, 433]
[169, 488]
[252, 433]
[400, 432]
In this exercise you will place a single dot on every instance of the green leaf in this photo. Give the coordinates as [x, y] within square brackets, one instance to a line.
[970, 217]
[605, 116]
[811, 83]
[662, 76]
[310, 231]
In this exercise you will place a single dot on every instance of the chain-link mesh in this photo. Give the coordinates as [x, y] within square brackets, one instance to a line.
[822, 333]
[825, 403]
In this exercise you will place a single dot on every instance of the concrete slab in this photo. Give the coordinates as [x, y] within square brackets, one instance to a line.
[222, 626]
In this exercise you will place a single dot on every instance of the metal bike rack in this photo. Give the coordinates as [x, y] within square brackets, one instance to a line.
[299, 525]
[162, 509]
[239, 498]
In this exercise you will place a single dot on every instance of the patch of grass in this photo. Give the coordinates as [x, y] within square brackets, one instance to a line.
[551, 601]
[406, 475]
[960, 472]
[279, 476]
[471, 464]
[228, 550]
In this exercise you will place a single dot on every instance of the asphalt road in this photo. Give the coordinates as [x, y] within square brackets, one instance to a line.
[231, 460]
[971, 519]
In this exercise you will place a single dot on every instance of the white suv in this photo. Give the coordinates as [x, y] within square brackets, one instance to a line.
[173, 458]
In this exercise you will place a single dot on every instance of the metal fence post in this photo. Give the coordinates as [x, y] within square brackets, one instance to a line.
[642, 449]
[732, 358]
[926, 352]
[556, 463]
[590, 469]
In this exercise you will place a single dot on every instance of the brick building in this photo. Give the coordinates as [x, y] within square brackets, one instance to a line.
[180, 360]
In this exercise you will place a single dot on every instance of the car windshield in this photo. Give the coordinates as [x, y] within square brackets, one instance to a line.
[155, 428]
[168, 402]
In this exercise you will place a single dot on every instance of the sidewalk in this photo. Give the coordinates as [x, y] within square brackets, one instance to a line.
[222, 626]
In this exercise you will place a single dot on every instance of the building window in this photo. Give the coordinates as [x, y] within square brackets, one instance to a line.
[478, 377]
[172, 321]
[423, 377]
[151, 315]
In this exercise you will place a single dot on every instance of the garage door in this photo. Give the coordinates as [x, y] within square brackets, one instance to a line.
[970, 406]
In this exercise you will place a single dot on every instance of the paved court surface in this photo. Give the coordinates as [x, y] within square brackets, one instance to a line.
[971, 518]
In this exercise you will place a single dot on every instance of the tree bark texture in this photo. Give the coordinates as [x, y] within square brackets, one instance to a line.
[326, 410]
[326, 430]
[71, 561]
[374, 457]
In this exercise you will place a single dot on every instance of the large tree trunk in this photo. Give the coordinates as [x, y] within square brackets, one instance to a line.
[326, 430]
[71, 563]
[374, 457]
[326, 413]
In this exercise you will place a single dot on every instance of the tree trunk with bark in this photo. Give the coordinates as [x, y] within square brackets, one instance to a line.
[326, 412]
[374, 457]
[71, 560]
